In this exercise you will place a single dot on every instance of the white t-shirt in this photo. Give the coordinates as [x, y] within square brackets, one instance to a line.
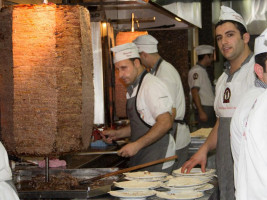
[6, 191]
[229, 93]
[252, 164]
[170, 76]
[152, 100]
[198, 78]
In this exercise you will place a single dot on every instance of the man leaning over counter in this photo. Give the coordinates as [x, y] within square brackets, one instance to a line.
[232, 39]
[248, 132]
[148, 49]
[149, 108]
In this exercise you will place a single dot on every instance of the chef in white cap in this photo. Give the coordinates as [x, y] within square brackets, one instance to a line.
[232, 39]
[201, 88]
[148, 49]
[7, 188]
[249, 132]
[149, 109]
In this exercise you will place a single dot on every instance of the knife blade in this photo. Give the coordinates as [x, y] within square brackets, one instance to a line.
[96, 153]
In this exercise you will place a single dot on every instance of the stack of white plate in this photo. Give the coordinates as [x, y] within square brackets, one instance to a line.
[195, 172]
[146, 176]
[135, 189]
[184, 183]
[138, 185]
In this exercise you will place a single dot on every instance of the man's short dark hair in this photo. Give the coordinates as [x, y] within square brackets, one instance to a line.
[200, 57]
[261, 59]
[238, 25]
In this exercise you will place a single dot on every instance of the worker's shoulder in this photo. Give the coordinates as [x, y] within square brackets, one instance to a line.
[168, 66]
[196, 69]
[149, 80]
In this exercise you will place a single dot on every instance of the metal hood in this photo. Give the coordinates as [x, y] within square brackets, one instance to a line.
[254, 13]
[147, 14]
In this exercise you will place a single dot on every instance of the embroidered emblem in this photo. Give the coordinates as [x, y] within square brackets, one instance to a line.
[195, 76]
[227, 95]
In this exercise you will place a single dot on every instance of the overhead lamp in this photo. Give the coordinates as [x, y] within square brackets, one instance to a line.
[104, 24]
[132, 27]
[178, 19]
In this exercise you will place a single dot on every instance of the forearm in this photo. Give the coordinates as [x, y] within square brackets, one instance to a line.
[211, 142]
[123, 132]
[196, 99]
[158, 130]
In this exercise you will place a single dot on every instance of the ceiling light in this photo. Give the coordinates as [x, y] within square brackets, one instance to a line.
[178, 19]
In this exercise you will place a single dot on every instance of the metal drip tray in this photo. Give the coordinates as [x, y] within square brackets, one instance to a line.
[22, 178]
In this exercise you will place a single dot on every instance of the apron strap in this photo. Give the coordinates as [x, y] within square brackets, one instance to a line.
[157, 67]
[179, 121]
[10, 182]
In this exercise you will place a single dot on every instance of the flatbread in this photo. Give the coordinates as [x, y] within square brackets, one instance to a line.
[146, 174]
[203, 132]
[138, 184]
[184, 181]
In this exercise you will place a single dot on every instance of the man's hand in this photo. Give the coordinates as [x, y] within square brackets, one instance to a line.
[109, 135]
[129, 150]
[203, 116]
[198, 158]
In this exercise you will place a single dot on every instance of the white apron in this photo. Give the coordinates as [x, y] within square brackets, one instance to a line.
[252, 175]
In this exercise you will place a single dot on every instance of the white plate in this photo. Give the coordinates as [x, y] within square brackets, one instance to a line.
[138, 185]
[186, 181]
[178, 189]
[194, 172]
[162, 179]
[191, 194]
[125, 194]
[205, 187]
[145, 175]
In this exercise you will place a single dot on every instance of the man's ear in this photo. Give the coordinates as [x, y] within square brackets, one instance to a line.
[136, 62]
[246, 37]
[259, 70]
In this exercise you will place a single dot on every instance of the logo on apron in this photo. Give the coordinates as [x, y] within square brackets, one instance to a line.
[195, 76]
[227, 95]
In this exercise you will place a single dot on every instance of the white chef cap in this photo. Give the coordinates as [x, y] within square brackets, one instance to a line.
[125, 51]
[204, 49]
[229, 14]
[146, 43]
[261, 43]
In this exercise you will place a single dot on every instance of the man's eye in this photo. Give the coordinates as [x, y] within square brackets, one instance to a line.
[218, 38]
[230, 34]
